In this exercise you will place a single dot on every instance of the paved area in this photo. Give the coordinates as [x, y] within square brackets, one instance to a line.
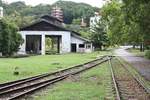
[141, 64]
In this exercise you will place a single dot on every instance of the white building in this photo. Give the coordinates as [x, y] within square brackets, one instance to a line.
[1, 12]
[94, 20]
[35, 34]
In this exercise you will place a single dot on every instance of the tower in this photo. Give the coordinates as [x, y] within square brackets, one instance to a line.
[57, 12]
[83, 24]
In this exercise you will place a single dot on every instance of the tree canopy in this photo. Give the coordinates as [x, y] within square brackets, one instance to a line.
[71, 10]
[128, 21]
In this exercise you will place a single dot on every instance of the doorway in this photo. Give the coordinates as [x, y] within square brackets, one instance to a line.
[73, 47]
[52, 44]
[33, 44]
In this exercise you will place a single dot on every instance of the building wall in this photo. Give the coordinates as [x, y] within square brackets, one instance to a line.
[77, 42]
[65, 46]
[86, 48]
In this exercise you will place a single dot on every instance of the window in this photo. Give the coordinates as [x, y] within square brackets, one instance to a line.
[88, 46]
[81, 45]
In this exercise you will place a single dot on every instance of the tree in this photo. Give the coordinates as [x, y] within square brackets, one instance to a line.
[128, 21]
[74, 10]
[48, 42]
[1, 2]
[71, 10]
[99, 35]
[114, 20]
[20, 20]
[137, 11]
[10, 40]
[76, 21]
[85, 32]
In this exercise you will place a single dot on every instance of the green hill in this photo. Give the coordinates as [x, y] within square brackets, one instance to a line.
[71, 10]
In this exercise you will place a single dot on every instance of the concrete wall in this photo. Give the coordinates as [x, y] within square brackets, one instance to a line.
[89, 48]
[77, 42]
[65, 46]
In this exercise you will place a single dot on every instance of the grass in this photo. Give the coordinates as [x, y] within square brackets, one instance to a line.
[34, 65]
[137, 52]
[94, 84]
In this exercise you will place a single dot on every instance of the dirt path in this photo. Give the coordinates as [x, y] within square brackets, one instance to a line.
[141, 64]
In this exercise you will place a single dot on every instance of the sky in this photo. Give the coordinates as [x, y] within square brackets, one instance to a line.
[95, 3]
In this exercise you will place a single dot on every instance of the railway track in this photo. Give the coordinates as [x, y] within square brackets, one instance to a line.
[17, 89]
[126, 85]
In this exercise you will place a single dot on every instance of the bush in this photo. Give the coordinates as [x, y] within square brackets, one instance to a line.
[147, 47]
[147, 54]
[10, 39]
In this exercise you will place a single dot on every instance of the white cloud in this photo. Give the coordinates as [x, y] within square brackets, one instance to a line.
[97, 3]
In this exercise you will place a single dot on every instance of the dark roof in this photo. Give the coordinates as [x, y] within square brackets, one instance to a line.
[80, 37]
[36, 26]
[59, 28]
[43, 24]
[49, 17]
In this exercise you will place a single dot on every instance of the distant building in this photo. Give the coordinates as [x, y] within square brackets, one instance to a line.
[57, 12]
[1, 12]
[94, 20]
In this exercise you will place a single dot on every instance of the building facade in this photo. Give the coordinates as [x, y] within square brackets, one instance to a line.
[94, 20]
[67, 41]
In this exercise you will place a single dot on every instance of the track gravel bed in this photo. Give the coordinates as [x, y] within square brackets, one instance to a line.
[142, 65]
[128, 87]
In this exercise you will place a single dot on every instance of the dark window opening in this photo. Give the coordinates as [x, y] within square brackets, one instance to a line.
[88, 46]
[73, 48]
[33, 44]
[81, 45]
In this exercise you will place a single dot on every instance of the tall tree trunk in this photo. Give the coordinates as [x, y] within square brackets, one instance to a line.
[100, 47]
[133, 46]
[142, 47]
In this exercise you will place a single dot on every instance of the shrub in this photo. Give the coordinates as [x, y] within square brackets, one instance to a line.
[10, 39]
[147, 54]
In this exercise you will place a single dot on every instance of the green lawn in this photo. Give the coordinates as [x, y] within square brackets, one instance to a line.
[94, 84]
[34, 65]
